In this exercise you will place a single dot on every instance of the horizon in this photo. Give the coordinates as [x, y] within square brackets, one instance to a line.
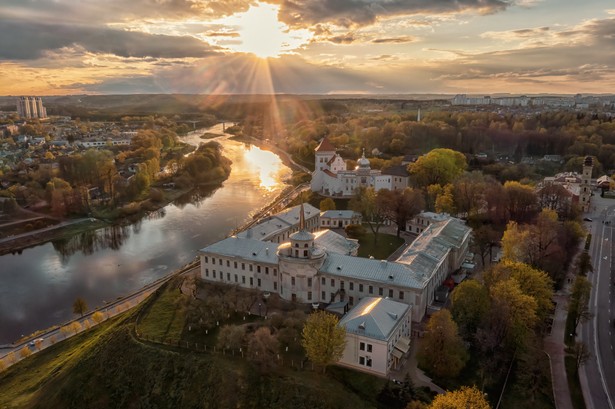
[304, 47]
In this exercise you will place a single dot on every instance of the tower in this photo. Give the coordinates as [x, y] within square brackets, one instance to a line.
[586, 177]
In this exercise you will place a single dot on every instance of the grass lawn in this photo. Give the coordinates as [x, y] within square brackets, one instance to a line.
[386, 245]
[166, 316]
[576, 393]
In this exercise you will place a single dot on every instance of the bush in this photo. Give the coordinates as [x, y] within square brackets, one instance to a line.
[355, 231]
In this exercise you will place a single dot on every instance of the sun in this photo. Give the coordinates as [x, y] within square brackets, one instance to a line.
[261, 34]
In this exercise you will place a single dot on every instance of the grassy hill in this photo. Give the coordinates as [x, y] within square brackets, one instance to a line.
[107, 367]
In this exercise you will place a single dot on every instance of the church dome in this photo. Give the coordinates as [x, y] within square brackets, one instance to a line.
[301, 235]
[363, 162]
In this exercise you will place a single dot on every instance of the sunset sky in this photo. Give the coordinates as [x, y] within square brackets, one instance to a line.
[53, 47]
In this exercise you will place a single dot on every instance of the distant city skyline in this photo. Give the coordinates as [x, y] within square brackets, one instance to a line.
[56, 47]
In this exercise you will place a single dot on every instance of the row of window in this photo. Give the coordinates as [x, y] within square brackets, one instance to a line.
[370, 288]
[237, 278]
[365, 361]
[243, 265]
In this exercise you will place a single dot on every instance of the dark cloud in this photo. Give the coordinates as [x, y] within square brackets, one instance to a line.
[222, 34]
[396, 40]
[349, 13]
[347, 38]
[24, 40]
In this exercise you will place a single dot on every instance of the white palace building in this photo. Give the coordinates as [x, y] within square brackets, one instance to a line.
[304, 265]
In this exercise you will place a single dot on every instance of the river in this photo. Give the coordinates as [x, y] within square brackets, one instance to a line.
[38, 286]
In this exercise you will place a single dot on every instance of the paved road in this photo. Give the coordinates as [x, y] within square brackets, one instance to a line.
[598, 374]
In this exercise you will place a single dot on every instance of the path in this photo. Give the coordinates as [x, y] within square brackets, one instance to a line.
[556, 350]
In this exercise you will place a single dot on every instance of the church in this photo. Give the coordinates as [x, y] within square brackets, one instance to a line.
[322, 267]
[332, 178]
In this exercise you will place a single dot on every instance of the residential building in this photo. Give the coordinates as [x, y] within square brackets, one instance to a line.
[31, 107]
[338, 219]
[420, 222]
[377, 335]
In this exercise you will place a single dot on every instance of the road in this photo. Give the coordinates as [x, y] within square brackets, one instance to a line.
[598, 374]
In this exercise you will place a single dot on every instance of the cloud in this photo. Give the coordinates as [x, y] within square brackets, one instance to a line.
[347, 38]
[24, 40]
[395, 40]
[350, 13]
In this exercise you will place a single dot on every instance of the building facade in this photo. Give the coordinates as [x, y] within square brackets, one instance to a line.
[312, 267]
[31, 107]
[377, 335]
[338, 219]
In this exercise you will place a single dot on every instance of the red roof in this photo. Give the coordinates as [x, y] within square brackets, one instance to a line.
[325, 146]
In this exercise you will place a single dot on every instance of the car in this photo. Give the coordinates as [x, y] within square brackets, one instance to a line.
[587, 219]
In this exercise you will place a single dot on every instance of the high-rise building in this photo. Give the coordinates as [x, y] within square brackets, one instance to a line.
[31, 107]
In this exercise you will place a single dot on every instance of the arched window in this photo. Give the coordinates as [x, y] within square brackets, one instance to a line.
[305, 245]
[305, 253]
[296, 244]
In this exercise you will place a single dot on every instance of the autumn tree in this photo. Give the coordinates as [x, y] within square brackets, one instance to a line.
[445, 202]
[440, 166]
[578, 306]
[441, 351]
[231, 336]
[262, 348]
[514, 243]
[324, 341]
[470, 305]
[581, 355]
[521, 201]
[484, 239]
[366, 202]
[399, 206]
[464, 398]
[79, 306]
[327, 204]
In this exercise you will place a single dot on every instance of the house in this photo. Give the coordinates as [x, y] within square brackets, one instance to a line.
[420, 222]
[377, 335]
[332, 219]
[279, 227]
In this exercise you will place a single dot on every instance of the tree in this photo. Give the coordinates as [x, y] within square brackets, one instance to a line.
[231, 337]
[521, 201]
[79, 306]
[484, 238]
[579, 301]
[464, 398]
[25, 352]
[445, 203]
[441, 351]
[399, 206]
[324, 341]
[584, 263]
[262, 348]
[514, 243]
[470, 301]
[440, 166]
[365, 202]
[581, 354]
[327, 204]
[533, 282]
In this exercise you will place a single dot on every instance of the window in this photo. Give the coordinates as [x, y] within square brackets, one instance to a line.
[243, 279]
[305, 253]
[213, 260]
[251, 281]
[371, 289]
[332, 282]
[369, 347]
[360, 288]
[243, 266]
[213, 273]
[206, 272]
[309, 296]
[275, 272]
[236, 278]
[332, 296]
[228, 263]
[258, 282]
[368, 362]
[390, 293]
[309, 281]
[235, 264]
[401, 295]
[220, 261]
[266, 270]
[351, 300]
[361, 360]
[258, 269]
[228, 276]
[292, 281]
[206, 259]
[323, 295]
[351, 286]
[380, 291]
[341, 284]
[362, 346]
[275, 286]
[305, 245]
[251, 267]
[324, 281]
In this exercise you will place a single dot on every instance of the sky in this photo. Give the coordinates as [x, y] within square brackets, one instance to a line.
[57, 47]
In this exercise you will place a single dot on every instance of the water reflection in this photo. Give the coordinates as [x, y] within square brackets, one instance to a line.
[38, 286]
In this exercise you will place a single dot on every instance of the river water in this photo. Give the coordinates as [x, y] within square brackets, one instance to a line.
[38, 286]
